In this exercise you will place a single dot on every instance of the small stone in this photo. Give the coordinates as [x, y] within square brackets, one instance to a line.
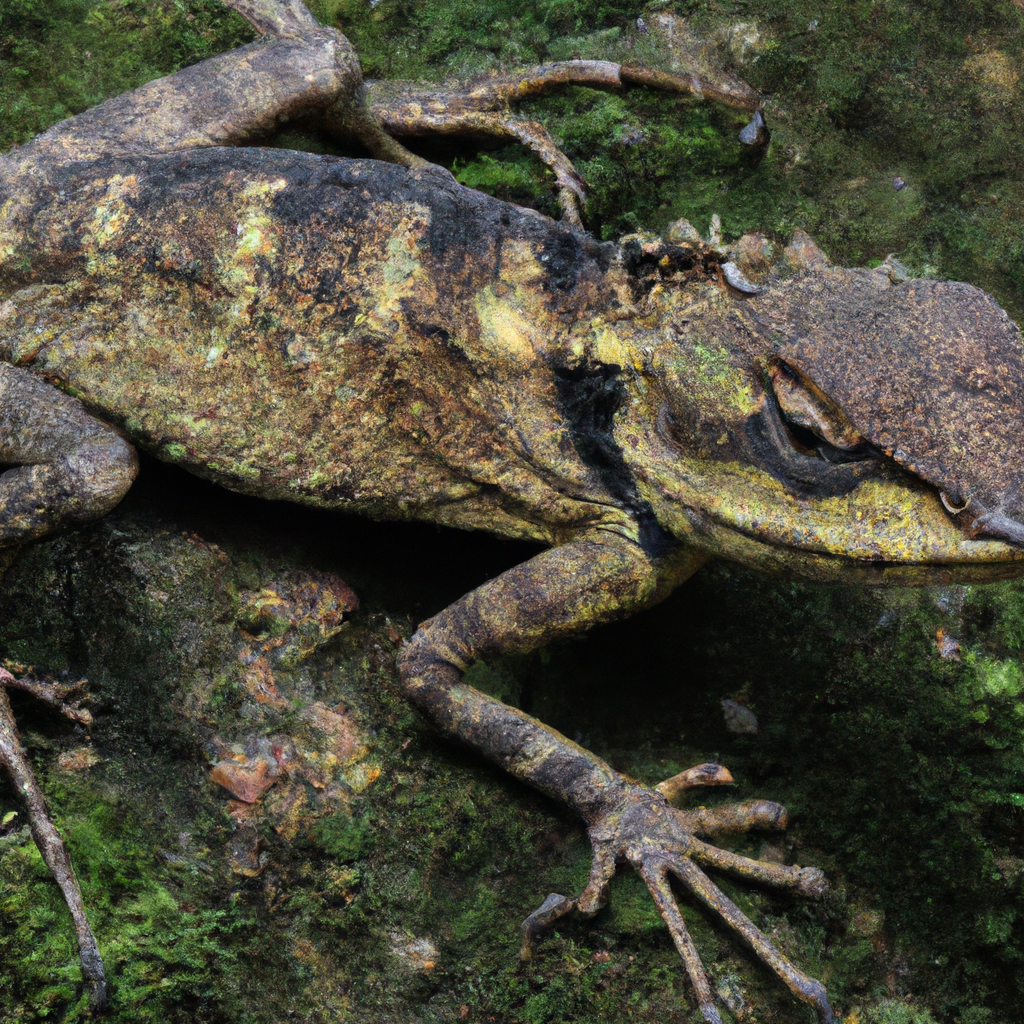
[246, 782]
[681, 231]
[896, 271]
[295, 614]
[715, 231]
[947, 646]
[898, 183]
[287, 809]
[740, 721]
[744, 41]
[803, 252]
[79, 759]
[735, 279]
[240, 811]
[244, 853]
[329, 742]
[756, 132]
[753, 253]
[258, 679]
[417, 954]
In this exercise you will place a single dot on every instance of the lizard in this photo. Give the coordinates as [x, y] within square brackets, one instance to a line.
[374, 338]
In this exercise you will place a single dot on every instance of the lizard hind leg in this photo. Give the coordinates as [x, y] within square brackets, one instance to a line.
[656, 874]
[275, 17]
[346, 114]
[482, 108]
[68, 467]
[587, 904]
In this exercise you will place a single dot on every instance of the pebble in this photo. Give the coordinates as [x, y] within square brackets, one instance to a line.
[740, 721]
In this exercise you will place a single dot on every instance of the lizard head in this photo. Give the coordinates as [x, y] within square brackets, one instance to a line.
[839, 424]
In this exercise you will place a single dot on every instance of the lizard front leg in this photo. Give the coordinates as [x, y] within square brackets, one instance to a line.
[55, 855]
[556, 594]
[66, 466]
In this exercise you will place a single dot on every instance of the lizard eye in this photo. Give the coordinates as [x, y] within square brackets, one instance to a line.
[816, 425]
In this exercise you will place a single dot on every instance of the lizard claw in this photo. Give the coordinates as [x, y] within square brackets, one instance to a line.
[661, 844]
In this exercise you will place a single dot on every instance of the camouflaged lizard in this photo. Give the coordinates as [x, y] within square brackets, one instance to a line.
[374, 338]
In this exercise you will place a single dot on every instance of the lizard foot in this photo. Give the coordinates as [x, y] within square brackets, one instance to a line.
[639, 825]
[13, 758]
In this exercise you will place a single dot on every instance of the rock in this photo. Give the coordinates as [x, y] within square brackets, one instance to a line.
[735, 279]
[753, 253]
[743, 40]
[336, 743]
[296, 613]
[681, 231]
[740, 721]
[947, 646]
[803, 252]
[78, 759]
[417, 954]
[715, 231]
[246, 781]
[244, 854]
[896, 271]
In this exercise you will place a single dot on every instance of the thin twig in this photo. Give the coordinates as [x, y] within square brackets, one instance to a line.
[51, 846]
[54, 694]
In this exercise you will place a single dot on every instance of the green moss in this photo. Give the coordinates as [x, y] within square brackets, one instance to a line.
[341, 837]
[167, 941]
[891, 1011]
[60, 58]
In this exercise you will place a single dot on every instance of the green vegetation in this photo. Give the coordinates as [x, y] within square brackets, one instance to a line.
[60, 57]
[168, 934]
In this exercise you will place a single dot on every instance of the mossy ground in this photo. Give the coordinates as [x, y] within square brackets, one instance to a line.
[904, 771]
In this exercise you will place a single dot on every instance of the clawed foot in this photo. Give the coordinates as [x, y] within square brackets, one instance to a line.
[641, 827]
[67, 700]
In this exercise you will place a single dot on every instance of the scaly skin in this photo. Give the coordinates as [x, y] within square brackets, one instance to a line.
[375, 338]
